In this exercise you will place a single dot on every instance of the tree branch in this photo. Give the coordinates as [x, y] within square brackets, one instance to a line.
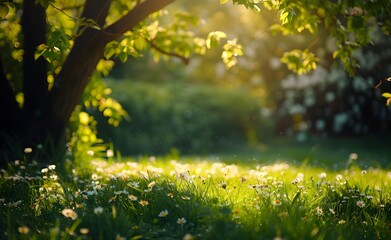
[85, 55]
[134, 17]
[96, 10]
[172, 54]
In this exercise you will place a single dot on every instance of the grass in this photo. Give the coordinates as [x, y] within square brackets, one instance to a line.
[207, 197]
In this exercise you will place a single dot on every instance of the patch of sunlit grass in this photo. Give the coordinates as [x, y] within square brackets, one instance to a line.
[195, 199]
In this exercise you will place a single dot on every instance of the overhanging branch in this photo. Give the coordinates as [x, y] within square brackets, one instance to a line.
[85, 55]
[96, 10]
[134, 17]
[185, 60]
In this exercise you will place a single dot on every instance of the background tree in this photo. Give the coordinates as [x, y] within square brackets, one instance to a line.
[50, 49]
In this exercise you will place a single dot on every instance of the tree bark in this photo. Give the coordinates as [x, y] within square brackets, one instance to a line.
[35, 85]
[135, 16]
[85, 55]
[77, 70]
[9, 122]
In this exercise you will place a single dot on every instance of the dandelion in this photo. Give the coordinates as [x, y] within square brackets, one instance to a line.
[283, 215]
[152, 184]
[341, 222]
[28, 150]
[188, 236]
[69, 213]
[94, 177]
[90, 153]
[277, 202]
[181, 221]
[360, 203]
[319, 211]
[184, 176]
[364, 172]
[110, 153]
[163, 213]
[339, 177]
[119, 237]
[79, 205]
[98, 210]
[186, 198]
[144, 203]
[322, 175]
[353, 156]
[23, 229]
[332, 211]
[132, 198]
[300, 177]
[84, 231]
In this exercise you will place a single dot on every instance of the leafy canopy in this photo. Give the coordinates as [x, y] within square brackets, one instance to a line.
[168, 32]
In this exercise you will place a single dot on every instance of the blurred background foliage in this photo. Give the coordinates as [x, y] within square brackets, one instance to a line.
[203, 107]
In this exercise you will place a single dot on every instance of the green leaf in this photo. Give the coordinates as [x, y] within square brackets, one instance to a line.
[140, 44]
[4, 10]
[300, 61]
[110, 49]
[214, 38]
[286, 16]
[123, 57]
[386, 95]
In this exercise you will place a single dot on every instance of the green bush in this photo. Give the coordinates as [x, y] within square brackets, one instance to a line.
[187, 117]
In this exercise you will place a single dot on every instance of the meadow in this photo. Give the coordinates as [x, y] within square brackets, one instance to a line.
[222, 196]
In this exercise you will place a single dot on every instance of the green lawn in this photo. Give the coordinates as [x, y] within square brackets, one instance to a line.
[330, 154]
[321, 190]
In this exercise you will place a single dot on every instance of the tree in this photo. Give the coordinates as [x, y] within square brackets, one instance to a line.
[51, 48]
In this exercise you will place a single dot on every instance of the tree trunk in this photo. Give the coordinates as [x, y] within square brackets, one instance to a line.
[35, 85]
[22, 127]
[72, 80]
[77, 70]
[45, 114]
